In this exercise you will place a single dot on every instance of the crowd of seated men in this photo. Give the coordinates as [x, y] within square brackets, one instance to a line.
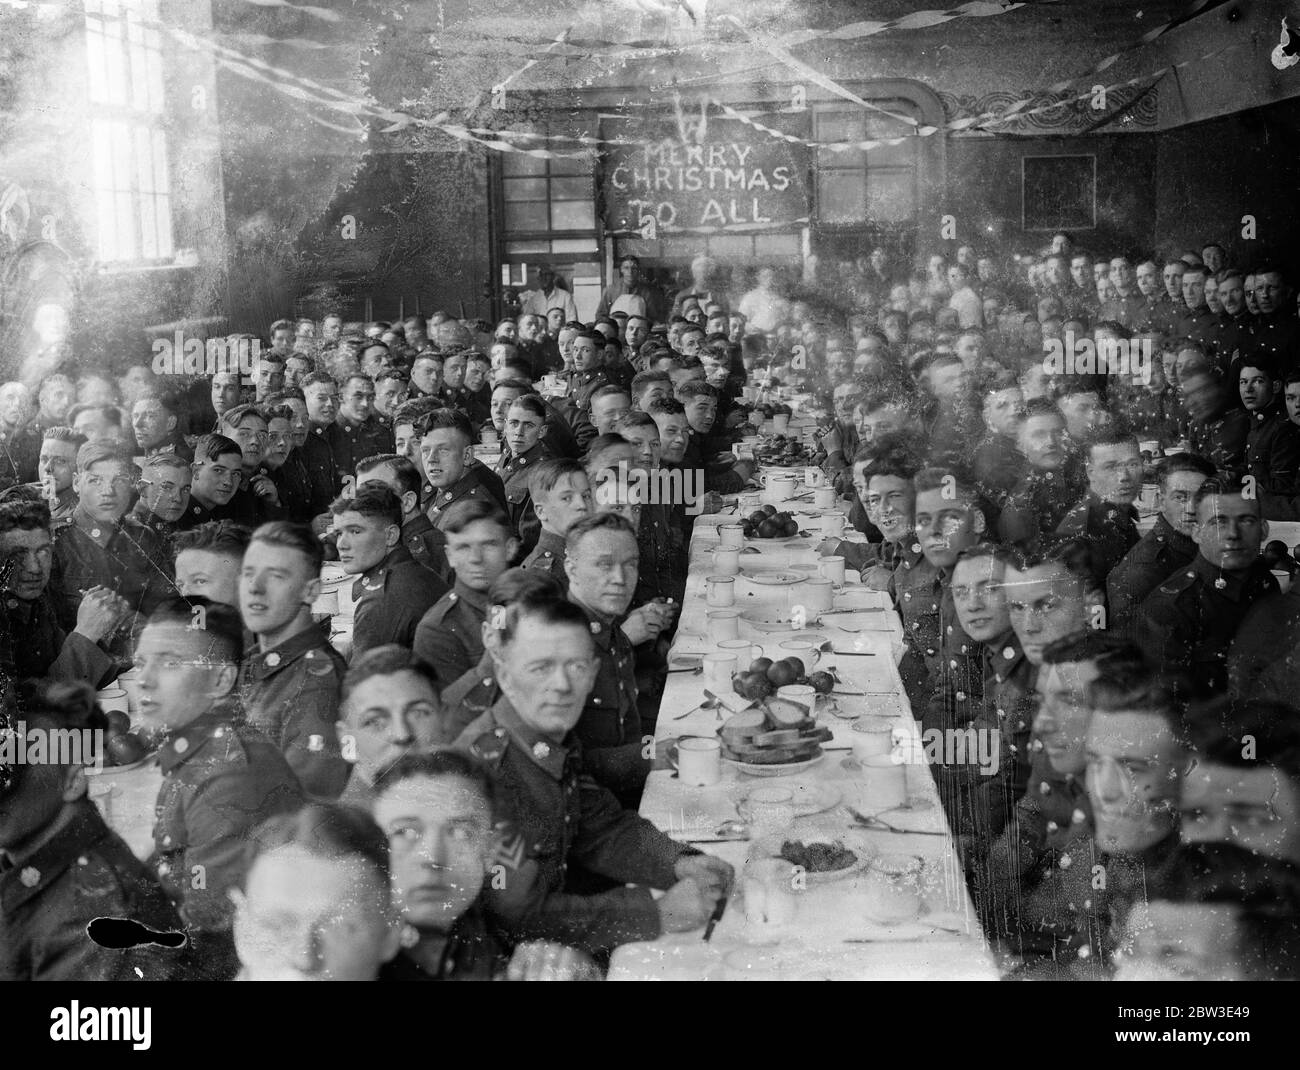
[451, 791]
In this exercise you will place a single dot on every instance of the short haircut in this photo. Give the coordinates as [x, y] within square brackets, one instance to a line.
[330, 831]
[1072, 552]
[408, 476]
[516, 583]
[1112, 436]
[59, 433]
[637, 419]
[318, 379]
[584, 526]
[222, 624]
[694, 388]
[1219, 487]
[214, 447]
[1042, 407]
[533, 403]
[446, 420]
[416, 410]
[667, 407]
[470, 511]
[386, 660]
[165, 398]
[928, 479]
[444, 762]
[549, 472]
[372, 499]
[1183, 462]
[24, 516]
[1120, 687]
[298, 537]
[97, 450]
[610, 390]
[222, 537]
[1091, 644]
[392, 373]
[534, 600]
[642, 381]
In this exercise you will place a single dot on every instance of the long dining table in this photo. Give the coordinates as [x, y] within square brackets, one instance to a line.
[837, 931]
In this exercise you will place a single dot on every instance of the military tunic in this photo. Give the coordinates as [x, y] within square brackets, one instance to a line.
[427, 544]
[449, 638]
[564, 820]
[477, 483]
[1273, 459]
[221, 779]
[1222, 440]
[48, 897]
[548, 556]
[291, 694]
[1037, 504]
[1264, 658]
[515, 473]
[20, 452]
[1161, 552]
[1187, 623]
[1110, 528]
[392, 597]
[352, 441]
[610, 728]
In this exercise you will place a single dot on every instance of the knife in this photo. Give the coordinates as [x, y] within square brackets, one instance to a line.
[715, 917]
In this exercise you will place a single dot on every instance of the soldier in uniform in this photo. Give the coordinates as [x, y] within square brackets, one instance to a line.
[104, 547]
[602, 563]
[57, 468]
[561, 494]
[476, 400]
[1274, 334]
[388, 708]
[449, 639]
[20, 443]
[62, 867]
[1188, 622]
[1039, 502]
[426, 543]
[524, 422]
[1168, 546]
[320, 396]
[1217, 425]
[164, 488]
[393, 590]
[221, 777]
[217, 474]
[355, 433]
[568, 826]
[1106, 516]
[32, 643]
[257, 500]
[447, 455]
[289, 681]
[1272, 443]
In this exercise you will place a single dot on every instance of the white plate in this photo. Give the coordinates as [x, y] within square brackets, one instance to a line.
[777, 770]
[774, 578]
[810, 797]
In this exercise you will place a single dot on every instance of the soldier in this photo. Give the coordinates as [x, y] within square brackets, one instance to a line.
[257, 500]
[103, 547]
[569, 826]
[1039, 502]
[1272, 443]
[217, 473]
[356, 433]
[1106, 516]
[426, 543]
[155, 420]
[449, 639]
[446, 451]
[32, 643]
[1168, 546]
[289, 680]
[62, 867]
[561, 494]
[56, 468]
[164, 487]
[221, 777]
[388, 707]
[1188, 622]
[321, 400]
[523, 426]
[439, 811]
[317, 905]
[20, 444]
[208, 560]
[998, 463]
[1217, 426]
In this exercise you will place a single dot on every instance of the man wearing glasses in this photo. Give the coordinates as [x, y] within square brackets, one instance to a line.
[257, 501]
[221, 777]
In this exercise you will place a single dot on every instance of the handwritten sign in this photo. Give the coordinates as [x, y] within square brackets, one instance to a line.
[719, 177]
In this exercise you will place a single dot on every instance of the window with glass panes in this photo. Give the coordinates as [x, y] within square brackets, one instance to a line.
[132, 187]
[857, 186]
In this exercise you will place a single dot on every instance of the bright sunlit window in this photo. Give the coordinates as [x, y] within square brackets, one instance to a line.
[129, 144]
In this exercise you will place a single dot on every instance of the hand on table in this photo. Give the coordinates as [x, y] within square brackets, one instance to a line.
[829, 547]
[832, 439]
[876, 578]
[713, 874]
[540, 960]
[685, 906]
[265, 489]
[644, 623]
[744, 469]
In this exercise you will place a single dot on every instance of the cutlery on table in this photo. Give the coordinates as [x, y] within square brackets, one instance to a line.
[884, 826]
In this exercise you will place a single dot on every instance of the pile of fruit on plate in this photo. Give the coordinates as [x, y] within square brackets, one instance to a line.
[764, 676]
[767, 523]
[785, 451]
[777, 732]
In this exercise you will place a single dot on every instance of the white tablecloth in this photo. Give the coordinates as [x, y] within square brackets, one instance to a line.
[831, 937]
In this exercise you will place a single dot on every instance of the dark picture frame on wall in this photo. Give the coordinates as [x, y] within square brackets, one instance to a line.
[1058, 192]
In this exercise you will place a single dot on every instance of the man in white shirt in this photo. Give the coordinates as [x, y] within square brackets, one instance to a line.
[549, 295]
